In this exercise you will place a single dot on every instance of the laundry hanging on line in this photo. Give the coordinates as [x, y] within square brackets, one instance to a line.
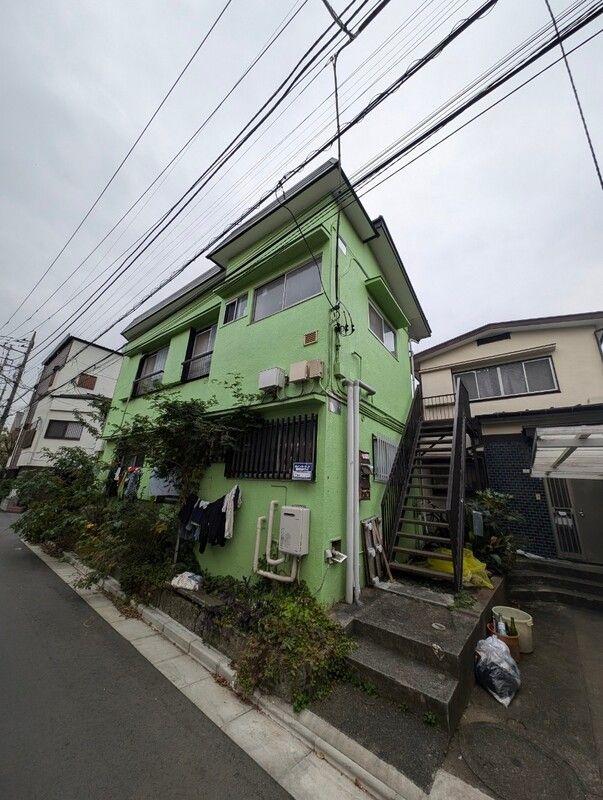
[209, 522]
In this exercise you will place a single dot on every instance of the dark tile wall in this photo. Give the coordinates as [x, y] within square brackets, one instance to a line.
[506, 457]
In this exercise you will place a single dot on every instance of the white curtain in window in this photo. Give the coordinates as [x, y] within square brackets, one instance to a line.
[513, 379]
[487, 381]
[540, 375]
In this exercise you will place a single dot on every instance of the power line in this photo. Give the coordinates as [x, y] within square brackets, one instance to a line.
[575, 91]
[283, 26]
[226, 154]
[122, 162]
[568, 31]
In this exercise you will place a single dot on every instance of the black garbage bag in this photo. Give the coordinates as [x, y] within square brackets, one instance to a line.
[496, 670]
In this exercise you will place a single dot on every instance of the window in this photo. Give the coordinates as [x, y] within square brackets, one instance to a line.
[150, 372]
[235, 309]
[382, 329]
[28, 437]
[342, 246]
[200, 351]
[508, 380]
[57, 429]
[269, 450]
[384, 454]
[86, 381]
[287, 290]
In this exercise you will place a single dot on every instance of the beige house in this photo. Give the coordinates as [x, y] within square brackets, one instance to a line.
[523, 377]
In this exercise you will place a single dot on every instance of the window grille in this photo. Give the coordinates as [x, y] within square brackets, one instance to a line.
[384, 453]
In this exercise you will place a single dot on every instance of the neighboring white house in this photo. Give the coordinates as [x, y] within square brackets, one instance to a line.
[74, 374]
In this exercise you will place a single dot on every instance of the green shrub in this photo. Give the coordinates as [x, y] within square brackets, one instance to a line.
[133, 541]
[55, 498]
[292, 643]
[498, 545]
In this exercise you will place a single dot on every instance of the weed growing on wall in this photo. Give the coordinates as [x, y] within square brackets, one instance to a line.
[497, 546]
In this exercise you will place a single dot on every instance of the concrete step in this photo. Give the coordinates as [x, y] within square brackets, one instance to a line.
[420, 687]
[538, 593]
[524, 577]
[554, 566]
[407, 626]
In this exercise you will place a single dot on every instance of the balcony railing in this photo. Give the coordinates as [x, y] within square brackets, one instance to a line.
[197, 366]
[147, 383]
[438, 407]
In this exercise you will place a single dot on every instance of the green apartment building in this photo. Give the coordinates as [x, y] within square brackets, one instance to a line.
[310, 304]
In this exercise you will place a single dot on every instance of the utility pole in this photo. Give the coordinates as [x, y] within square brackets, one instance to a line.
[16, 382]
[2, 368]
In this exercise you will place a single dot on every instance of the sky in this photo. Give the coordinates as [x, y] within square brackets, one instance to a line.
[501, 221]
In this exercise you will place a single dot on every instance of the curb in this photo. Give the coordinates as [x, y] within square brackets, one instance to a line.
[380, 780]
[363, 768]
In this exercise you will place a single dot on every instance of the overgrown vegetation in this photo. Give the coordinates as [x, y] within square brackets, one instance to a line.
[182, 438]
[292, 644]
[498, 545]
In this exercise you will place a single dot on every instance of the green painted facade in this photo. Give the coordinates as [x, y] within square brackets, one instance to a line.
[244, 347]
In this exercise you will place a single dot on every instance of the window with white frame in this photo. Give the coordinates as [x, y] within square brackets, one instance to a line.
[508, 380]
[201, 350]
[382, 329]
[150, 372]
[235, 309]
[384, 454]
[287, 290]
[59, 429]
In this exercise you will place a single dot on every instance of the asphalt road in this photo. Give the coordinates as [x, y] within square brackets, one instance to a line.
[84, 716]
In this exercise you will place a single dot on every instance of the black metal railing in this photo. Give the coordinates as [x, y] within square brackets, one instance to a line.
[455, 503]
[395, 491]
[147, 383]
[270, 450]
[197, 366]
[438, 407]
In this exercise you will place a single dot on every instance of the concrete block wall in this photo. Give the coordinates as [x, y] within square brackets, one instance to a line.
[506, 458]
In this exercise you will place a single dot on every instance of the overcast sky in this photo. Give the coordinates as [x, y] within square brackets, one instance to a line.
[502, 221]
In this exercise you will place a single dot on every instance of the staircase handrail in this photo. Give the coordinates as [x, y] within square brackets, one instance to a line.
[395, 490]
[455, 500]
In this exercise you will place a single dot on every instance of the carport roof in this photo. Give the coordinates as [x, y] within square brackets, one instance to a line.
[571, 452]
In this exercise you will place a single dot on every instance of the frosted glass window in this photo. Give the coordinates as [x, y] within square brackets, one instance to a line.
[300, 284]
[488, 382]
[513, 378]
[382, 329]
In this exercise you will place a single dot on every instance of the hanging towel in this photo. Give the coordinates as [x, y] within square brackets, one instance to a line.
[232, 501]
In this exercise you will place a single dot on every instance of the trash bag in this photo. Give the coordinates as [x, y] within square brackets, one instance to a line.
[474, 570]
[187, 580]
[496, 670]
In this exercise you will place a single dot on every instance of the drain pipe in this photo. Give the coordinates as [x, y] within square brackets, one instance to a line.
[352, 589]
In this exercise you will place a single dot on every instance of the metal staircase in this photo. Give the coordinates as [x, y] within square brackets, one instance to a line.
[423, 503]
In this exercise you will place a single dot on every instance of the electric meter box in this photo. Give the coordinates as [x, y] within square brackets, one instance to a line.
[295, 530]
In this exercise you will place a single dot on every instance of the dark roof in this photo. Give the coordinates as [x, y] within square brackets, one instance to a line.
[328, 179]
[69, 339]
[532, 322]
[180, 298]
[562, 415]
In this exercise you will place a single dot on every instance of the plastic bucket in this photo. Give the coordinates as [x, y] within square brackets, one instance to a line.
[523, 622]
[512, 642]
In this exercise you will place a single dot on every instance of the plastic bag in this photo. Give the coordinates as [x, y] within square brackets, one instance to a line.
[187, 580]
[496, 670]
[474, 570]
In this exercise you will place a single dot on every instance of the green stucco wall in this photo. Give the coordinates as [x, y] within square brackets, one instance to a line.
[245, 348]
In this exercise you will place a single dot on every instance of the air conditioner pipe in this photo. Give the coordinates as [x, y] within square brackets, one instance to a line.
[352, 586]
[273, 576]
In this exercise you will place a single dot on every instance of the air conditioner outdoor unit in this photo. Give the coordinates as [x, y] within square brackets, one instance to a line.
[270, 379]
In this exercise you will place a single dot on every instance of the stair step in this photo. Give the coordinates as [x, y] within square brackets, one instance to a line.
[424, 537]
[424, 509]
[395, 566]
[420, 686]
[421, 485]
[522, 577]
[555, 566]
[423, 522]
[537, 592]
[414, 496]
[422, 553]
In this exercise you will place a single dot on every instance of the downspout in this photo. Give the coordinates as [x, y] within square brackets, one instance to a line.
[352, 589]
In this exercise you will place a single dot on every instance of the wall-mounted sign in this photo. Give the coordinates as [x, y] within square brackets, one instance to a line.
[302, 471]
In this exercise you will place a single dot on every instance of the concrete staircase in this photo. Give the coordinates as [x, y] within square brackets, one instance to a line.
[418, 654]
[556, 581]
